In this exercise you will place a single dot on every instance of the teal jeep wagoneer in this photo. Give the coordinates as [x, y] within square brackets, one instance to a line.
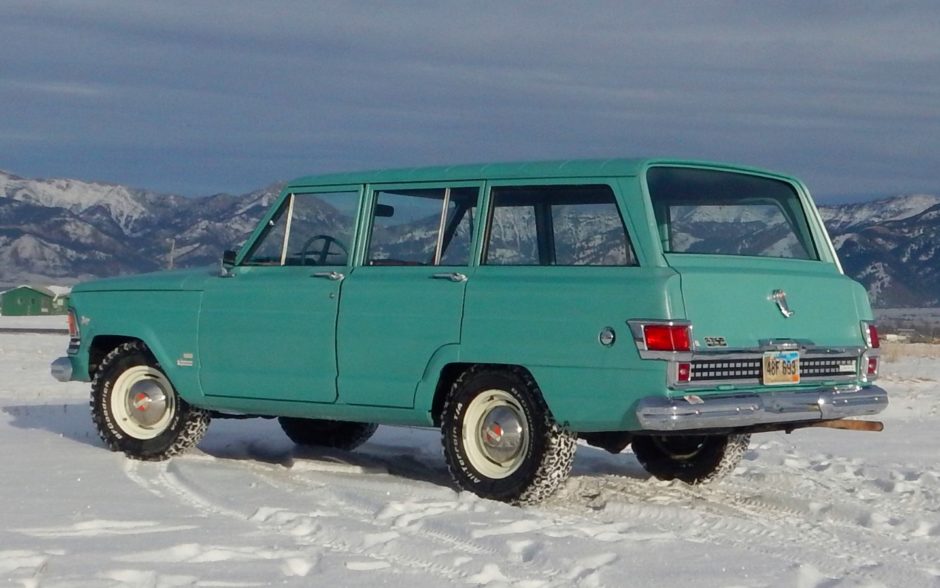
[674, 306]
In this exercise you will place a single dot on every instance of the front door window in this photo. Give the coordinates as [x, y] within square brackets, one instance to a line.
[309, 229]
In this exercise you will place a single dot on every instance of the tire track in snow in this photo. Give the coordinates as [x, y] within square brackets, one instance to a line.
[760, 518]
[400, 535]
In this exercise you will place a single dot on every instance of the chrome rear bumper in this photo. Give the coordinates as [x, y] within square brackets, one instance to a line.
[61, 369]
[719, 412]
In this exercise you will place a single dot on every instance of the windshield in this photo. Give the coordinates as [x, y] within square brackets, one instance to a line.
[724, 213]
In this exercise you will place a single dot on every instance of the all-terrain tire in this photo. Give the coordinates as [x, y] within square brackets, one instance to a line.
[694, 459]
[344, 435]
[499, 438]
[137, 411]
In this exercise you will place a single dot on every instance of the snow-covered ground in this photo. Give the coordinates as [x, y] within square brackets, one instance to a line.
[816, 508]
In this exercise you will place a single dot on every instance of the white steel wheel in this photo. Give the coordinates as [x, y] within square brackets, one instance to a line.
[495, 434]
[143, 402]
[499, 438]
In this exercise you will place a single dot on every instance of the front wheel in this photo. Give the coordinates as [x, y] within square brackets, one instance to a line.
[500, 440]
[694, 459]
[136, 409]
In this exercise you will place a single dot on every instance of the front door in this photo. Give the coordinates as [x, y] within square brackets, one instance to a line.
[405, 302]
[268, 331]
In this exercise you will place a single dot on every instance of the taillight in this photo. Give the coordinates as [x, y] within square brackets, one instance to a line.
[73, 325]
[870, 332]
[872, 367]
[667, 337]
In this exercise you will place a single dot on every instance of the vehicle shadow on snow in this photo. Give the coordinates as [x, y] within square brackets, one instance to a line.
[397, 451]
[409, 453]
[68, 420]
[403, 452]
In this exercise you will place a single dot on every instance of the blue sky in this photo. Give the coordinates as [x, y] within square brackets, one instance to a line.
[200, 97]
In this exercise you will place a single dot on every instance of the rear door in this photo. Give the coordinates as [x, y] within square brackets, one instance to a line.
[404, 303]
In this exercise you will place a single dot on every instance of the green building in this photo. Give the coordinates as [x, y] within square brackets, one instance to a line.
[34, 300]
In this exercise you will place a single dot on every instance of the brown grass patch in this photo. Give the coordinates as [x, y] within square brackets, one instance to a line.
[892, 351]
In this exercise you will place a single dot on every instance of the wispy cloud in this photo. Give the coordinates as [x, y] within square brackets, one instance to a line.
[233, 93]
[60, 88]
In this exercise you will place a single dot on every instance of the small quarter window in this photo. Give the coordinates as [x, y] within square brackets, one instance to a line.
[557, 225]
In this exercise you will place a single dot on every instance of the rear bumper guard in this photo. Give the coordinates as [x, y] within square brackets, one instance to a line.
[719, 412]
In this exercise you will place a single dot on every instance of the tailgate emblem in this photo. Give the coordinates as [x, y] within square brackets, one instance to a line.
[780, 297]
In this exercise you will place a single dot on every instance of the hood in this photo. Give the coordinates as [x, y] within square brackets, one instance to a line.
[186, 279]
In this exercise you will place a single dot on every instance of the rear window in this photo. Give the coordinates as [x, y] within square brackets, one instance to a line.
[725, 213]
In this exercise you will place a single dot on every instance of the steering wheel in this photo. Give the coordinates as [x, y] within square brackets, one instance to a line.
[324, 251]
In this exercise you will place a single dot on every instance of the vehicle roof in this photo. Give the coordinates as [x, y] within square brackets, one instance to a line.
[522, 169]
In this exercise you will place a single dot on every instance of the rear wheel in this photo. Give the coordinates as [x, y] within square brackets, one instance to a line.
[694, 459]
[500, 440]
[324, 433]
[136, 409]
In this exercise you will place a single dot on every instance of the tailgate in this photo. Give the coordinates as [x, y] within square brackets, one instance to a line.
[737, 302]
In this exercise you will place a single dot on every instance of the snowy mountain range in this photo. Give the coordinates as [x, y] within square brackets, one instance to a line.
[62, 231]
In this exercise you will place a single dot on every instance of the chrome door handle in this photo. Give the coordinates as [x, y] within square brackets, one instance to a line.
[335, 276]
[453, 277]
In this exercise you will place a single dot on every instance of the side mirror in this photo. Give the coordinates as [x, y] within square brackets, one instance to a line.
[384, 210]
[228, 262]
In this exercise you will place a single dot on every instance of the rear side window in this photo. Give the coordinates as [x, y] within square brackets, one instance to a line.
[725, 213]
[572, 225]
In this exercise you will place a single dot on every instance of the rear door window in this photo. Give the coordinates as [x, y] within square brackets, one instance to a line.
[422, 226]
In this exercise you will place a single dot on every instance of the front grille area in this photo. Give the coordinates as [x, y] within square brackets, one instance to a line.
[717, 370]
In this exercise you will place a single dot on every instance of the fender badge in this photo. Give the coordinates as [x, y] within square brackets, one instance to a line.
[780, 297]
[186, 360]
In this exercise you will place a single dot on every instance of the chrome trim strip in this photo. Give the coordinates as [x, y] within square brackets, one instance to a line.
[692, 412]
[61, 369]
[290, 217]
[439, 246]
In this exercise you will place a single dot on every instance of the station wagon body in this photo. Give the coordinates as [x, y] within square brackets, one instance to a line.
[678, 306]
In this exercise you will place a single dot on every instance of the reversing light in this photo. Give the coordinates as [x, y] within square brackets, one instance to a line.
[872, 367]
[74, 333]
[870, 332]
[667, 337]
[683, 372]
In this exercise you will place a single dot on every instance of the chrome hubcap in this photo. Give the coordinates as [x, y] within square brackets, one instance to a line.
[502, 434]
[146, 403]
[495, 434]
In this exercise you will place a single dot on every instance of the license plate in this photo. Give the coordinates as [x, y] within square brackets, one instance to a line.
[781, 367]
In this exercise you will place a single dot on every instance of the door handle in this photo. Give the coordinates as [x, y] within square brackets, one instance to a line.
[335, 276]
[452, 276]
